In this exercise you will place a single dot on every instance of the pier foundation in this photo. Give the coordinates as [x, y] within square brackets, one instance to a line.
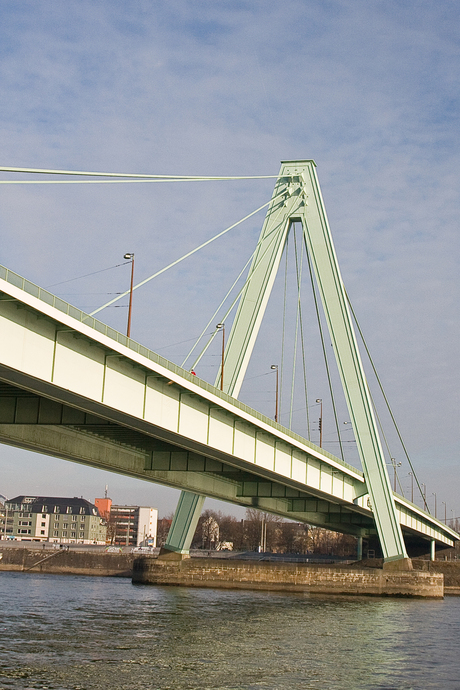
[294, 577]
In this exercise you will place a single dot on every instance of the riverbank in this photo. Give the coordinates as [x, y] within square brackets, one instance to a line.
[224, 572]
[67, 562]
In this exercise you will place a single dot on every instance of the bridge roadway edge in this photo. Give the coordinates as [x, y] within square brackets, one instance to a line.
[287, 577]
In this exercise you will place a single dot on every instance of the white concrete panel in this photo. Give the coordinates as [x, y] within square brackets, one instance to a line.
[221, 431]
[26, 343]
[348, 490]
[283, 460]
[162, 404]
[265, 451]
[244, 441]
[337, 485]
[124, 387]
[313, 473]
[326, 480]
[79, 366]
[193, 418]
[299, 466]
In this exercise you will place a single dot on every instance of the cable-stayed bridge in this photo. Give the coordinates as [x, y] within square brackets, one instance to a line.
[74, 388]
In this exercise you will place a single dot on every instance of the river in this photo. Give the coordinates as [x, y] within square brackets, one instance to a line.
[82, 633]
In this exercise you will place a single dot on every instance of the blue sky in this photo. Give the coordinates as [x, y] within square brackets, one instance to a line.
[370, 90]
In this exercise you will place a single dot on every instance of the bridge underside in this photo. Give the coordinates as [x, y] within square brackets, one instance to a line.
[60, 429]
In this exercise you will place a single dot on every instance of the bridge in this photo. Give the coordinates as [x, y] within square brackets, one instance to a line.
[74, 388]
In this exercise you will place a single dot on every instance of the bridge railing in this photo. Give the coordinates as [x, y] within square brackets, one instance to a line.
[61, 305]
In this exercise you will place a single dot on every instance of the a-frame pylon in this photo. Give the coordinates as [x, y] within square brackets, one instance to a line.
[297, 198]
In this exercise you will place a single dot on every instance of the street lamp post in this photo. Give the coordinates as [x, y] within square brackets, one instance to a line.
[221, 327]
[130, 256]
[6, 514]
[320, 401]
[435, 504]
[445, 512]
[395, 465]
[275, 367]
[411, 475]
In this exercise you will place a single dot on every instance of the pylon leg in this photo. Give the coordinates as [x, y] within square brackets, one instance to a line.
[184, 523]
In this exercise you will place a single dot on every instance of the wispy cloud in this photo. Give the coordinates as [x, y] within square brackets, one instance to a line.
[369, 90]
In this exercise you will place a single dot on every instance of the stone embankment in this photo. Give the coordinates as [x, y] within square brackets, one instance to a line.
[290, 577]
[367, 577]
[67, 562]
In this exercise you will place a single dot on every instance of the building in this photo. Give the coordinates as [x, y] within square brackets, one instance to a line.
[132, 525]
[47, 518]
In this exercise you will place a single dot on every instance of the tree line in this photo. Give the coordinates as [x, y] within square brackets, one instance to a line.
[260, 531]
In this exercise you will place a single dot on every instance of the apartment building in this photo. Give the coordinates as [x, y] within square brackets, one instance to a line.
[54, 519]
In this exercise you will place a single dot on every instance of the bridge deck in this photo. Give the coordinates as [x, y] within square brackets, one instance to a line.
[75, 388]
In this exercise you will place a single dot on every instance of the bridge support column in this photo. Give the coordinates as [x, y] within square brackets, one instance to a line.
[359, 549]
[184, 523]
[433, 550]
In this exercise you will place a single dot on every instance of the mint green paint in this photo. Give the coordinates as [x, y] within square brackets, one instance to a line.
[301, 201]
[185, 520]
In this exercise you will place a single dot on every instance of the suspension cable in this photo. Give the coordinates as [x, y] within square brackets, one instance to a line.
[324, 351]
[390, 454]
[248, 278]
[387, 404]
[213, 317]
[283, 332]
[135, 176]
[193, 251]
[296, 336]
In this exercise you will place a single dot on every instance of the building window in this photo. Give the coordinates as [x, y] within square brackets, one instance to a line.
[73, 534]
[56, 525]
[82, 534]
[43, 524]
[56, 509]
[42, 531]
[82, 510]
[55, 533]
[65, 525]
[64, 534]
[74, 517]
[82, 518]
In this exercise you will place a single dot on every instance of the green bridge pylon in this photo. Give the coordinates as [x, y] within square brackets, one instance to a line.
[297, 199]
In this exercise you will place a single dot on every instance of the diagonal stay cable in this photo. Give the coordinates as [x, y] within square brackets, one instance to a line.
[323, 345]
[387, 445]
[248, 278]
[283, 333]
[296, 336]
[214, 316]
[387, 403]
[138, 176]
[185, 256]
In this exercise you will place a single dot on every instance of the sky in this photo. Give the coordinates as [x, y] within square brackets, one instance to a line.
[369, 90]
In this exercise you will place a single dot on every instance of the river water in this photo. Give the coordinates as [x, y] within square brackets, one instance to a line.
[82, 633]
